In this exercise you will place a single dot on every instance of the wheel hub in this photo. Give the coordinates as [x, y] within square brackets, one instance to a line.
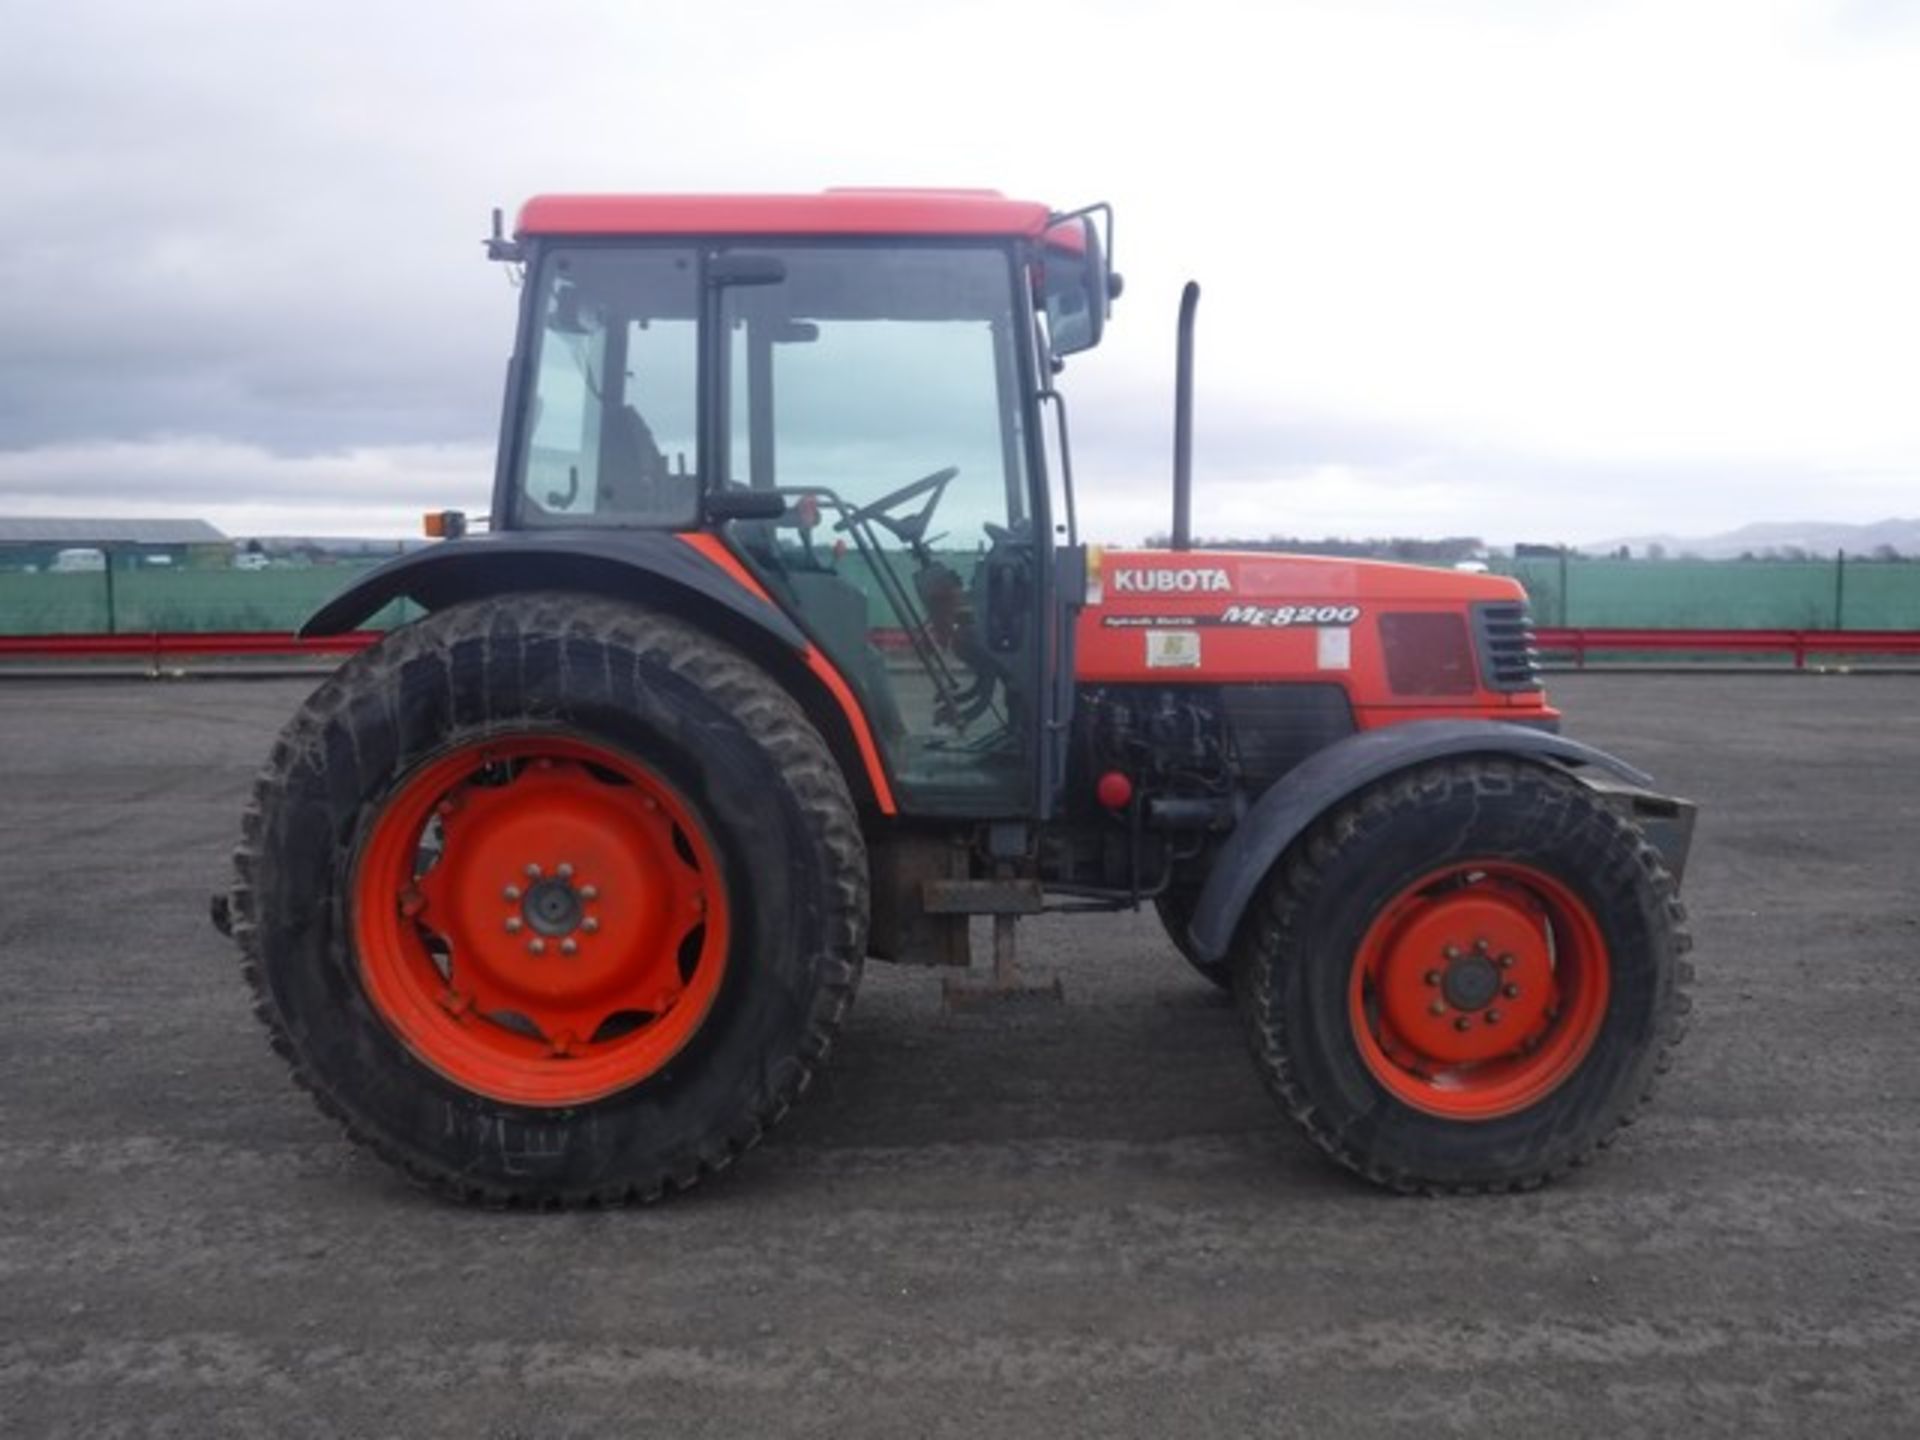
[553, 907]
[1471, 982]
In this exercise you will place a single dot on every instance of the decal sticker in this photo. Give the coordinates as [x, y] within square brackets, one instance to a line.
[1259, 617]
[1335, 647]
[1195, 581]
[1279, 615]
[1173, 649]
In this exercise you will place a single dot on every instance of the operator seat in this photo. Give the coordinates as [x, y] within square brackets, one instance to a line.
[635, 476]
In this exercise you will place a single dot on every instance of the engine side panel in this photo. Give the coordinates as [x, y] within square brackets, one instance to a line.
[1404, 642]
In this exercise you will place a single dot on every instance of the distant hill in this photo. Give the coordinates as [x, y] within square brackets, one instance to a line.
[1815, 537]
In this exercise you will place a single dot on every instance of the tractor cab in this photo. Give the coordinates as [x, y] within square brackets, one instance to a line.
[846, 389]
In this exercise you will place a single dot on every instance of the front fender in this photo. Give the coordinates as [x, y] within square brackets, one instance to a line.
[1317, 784]
[626, 564]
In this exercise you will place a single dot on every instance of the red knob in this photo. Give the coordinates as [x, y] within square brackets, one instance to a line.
[1115, 791]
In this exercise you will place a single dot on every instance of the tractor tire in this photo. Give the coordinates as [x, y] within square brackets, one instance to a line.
[550, 899]
[1466, 979]
[1175, 909]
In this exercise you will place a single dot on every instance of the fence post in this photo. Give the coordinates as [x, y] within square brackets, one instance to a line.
[1839, 589]
[107, 552]
[1564, 622]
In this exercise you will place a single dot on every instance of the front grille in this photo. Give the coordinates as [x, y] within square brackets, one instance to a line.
[1504, 632]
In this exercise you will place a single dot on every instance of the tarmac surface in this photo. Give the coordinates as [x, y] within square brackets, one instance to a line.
[1080, 1219]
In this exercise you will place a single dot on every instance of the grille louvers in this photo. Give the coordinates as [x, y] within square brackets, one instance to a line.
[1504, 631]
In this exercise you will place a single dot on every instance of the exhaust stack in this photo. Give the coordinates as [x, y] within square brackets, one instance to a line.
[1183, 421]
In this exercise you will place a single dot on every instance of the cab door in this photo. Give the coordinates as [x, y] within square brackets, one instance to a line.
[878, 389]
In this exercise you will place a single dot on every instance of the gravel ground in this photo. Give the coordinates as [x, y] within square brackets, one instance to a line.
[1082, 1219]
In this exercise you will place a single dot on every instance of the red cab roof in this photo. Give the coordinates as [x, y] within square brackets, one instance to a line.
[831, 212]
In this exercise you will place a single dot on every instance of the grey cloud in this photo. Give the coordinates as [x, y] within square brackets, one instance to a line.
[256, 223]
[212, 233]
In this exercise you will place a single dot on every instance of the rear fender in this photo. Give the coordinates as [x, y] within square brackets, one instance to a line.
[1312, 788]
[634, 564]
[694, 577]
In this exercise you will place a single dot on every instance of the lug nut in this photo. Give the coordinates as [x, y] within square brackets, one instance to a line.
[1506, 962]
[1512, 992]
[1433, 977]
[589, 892]
[1493, 1017]
[1480, 946]
[569, 945]
[533, 872]
[1463, 1023]
[512, 892]
[537, 946]
[589, 924]
[1436, 1008]
[563, 870]
[513, 924]
[1452, 952]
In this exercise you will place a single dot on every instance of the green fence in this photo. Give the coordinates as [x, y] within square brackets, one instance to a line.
[1654, 594]
[141, 600]
[1722, 595]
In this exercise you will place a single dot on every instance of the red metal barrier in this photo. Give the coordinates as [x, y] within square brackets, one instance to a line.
[154, 644]
[1578, 641]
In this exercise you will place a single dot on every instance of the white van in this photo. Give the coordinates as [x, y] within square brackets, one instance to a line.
[78, 562]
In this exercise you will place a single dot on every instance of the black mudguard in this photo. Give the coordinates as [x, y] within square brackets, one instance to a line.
[631, 564]
[1316, 785]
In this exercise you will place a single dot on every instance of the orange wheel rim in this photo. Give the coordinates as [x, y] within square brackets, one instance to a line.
[540, 919]
[1479, 989]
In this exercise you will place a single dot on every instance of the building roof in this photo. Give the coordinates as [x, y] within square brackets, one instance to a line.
[94, 530]
[831, 212]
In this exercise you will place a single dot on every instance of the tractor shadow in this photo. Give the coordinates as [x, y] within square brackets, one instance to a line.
[1141, 1051]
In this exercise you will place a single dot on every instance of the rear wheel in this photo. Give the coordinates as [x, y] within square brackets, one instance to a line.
[552, 899]
[1480, 1022]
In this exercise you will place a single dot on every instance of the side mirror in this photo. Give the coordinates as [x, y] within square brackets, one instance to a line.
[1076, 286]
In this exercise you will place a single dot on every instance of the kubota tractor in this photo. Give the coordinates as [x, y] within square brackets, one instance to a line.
[781, 650]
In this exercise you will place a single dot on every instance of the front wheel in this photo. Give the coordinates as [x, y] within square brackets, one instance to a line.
[1466, 979]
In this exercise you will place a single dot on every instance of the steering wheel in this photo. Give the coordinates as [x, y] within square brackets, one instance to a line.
[910, 529]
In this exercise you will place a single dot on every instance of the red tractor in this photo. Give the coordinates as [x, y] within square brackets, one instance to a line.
[781, 650]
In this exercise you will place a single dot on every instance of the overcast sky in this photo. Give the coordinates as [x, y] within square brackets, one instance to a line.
[1503, 267]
